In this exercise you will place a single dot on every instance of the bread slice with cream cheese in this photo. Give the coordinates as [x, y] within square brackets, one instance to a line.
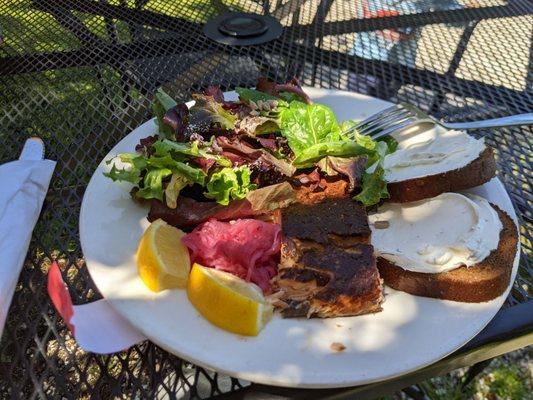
[437, 161]
[474, 264]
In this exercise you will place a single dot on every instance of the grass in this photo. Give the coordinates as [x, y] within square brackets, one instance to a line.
[509, 377]
[37, 104]
[508, 382]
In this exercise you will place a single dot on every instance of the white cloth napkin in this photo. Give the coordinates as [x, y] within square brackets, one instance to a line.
[23, 187]
[97, 327]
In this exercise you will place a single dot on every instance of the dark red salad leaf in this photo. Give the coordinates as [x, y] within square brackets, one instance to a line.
[190, 212]
[209, 118]
[293, 86]
[240, 152]
[215, 92]
[351, 168]
[275, 89]
[240, 109]
[312, 180]
[145, 145]
[267, 86]
[268, 143]
[204, 163]
[177, 118]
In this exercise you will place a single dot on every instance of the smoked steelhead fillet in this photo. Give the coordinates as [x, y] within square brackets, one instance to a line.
[327, 267]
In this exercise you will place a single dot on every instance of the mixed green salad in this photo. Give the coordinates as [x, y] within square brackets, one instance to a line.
[220, 151]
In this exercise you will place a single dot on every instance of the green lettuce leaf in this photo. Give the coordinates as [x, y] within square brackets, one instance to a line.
[183, 151]
[392, 144]
[165, 147]
[163, 102]
[246, 95]
[229, 184]
[374, 187]
[367, 141]
[173, 189]
[194, 174]
[131, 175]
[153, 184]
[362, 140]
[134, 165]
[307, 125]
[149, 173]
[290, 97]
[313, 134]
[309, 156]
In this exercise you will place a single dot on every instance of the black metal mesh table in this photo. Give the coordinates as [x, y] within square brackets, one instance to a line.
[81, 74]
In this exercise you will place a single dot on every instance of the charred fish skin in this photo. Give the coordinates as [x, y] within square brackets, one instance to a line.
[327, 267]
[326, 221]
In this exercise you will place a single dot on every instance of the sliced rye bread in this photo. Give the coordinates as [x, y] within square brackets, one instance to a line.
[481, 282]
[476, 173]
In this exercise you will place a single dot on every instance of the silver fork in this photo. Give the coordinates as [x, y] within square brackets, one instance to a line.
[404, 116]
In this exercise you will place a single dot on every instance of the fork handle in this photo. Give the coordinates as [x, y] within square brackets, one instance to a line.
[513, 120]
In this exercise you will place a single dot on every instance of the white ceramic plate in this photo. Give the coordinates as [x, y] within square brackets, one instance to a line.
[409, 333]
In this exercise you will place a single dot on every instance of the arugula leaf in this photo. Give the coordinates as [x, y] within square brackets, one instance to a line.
[229, 184]
[374, 187]
[163, 103]
[306, 125]
[307, 157]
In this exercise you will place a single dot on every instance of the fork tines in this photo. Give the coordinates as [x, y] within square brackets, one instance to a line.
[387, 121]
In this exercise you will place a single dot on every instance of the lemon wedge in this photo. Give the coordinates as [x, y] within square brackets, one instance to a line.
[228, 301]
[162, 258]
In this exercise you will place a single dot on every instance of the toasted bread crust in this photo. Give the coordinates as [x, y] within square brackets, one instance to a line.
[478, 172]
[482, 282]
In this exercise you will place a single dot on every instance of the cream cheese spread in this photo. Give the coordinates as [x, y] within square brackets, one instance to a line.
[431, 152]
[438, 234]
